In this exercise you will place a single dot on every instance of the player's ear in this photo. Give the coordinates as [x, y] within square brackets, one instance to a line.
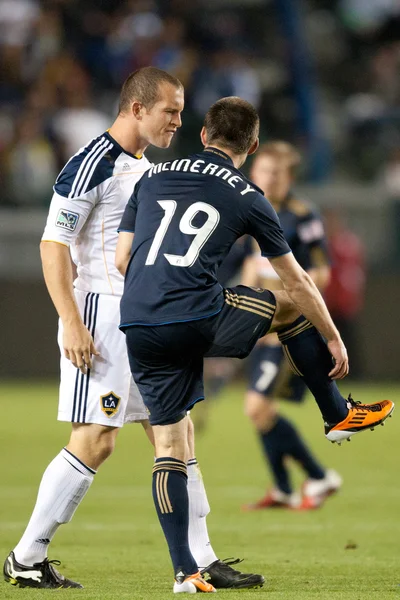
[136, 108]
[254, 147]
[203, 136]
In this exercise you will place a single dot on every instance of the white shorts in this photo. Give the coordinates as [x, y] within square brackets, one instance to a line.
[107, 394]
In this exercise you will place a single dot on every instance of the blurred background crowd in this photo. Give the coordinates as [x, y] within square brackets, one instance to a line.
[324, 74]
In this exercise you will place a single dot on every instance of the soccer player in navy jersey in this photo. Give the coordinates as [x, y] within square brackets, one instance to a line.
[179, 224]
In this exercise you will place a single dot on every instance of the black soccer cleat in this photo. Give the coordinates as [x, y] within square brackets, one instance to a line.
[41, 575]
[221, 575]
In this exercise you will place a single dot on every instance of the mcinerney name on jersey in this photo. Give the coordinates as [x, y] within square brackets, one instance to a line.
[200, 166]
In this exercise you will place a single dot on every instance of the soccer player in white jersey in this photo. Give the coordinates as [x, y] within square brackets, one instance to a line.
[97, 394]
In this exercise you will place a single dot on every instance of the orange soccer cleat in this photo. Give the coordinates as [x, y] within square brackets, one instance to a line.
[190, 584]
[359, 418]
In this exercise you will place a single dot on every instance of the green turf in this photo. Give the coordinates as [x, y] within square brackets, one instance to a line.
[114, 544]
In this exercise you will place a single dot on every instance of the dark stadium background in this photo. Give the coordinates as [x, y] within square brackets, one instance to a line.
[323, 74]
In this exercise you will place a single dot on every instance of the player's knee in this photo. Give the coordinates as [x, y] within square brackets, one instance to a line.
[260, 410]
[171, 439]
[286, 311]
[148, 430]
[92, 443]
[106, 445]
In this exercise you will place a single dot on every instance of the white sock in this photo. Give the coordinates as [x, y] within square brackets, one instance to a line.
[64, 484]
[199, 542]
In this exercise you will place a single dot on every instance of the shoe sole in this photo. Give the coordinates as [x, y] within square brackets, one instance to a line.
[188, 587]
[250, 508]
[338, 436]
[21, 585]
[13, 581]
[242, 587]
[323, 498]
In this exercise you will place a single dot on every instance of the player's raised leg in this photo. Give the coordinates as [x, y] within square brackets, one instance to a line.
[319, 364]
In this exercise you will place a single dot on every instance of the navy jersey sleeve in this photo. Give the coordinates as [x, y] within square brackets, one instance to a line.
[310, 231]
[263, 224]
[129, 217]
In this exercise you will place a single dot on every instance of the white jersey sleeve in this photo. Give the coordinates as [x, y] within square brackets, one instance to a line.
[89, 198]
[67, 216]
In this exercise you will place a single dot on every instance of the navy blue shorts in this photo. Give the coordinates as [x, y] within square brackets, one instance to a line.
[270, 374]
[167, 360]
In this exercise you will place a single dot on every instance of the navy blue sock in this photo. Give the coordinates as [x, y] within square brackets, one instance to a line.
[172, 504]
[288, 440]
[271, 442]
[310, 358]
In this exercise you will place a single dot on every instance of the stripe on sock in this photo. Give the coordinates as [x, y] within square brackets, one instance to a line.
[161, 470]
[180, 468]
[75, 458]
[162, 493]
[291, 361]
[296, 330]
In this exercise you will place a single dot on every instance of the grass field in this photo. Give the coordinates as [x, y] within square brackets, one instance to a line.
[114, 545]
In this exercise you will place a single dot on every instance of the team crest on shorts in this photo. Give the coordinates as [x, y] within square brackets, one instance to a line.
[110, 404]
[257, 289]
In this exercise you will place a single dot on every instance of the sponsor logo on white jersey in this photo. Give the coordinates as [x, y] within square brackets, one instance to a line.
[67, 219]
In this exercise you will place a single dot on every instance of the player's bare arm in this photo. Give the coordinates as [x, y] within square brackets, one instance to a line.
[123, 251]
[249, 272]
[57, 270]
[305, 295]
[320, 276]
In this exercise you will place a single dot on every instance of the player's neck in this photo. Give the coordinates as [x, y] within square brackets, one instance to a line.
[237, 159]
[126, 137]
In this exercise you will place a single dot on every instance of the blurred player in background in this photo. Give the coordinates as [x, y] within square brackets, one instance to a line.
[345, 293]
[270, 376]
[97, 393]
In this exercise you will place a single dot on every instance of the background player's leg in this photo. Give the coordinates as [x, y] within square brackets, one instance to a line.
[263, 413]
[148, 430]
[64, 485]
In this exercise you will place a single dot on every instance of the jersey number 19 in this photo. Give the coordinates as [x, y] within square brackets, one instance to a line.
[185, 225]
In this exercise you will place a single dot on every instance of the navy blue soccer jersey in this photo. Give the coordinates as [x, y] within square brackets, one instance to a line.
[186, 215]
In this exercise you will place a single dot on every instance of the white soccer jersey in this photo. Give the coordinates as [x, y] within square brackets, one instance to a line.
[89, 199]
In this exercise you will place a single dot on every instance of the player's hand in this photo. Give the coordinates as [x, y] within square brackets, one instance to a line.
[79, 346]
[339, 355]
